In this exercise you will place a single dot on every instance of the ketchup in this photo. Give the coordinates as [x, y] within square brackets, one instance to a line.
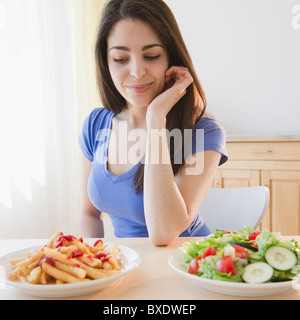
[97, 242]
[77, 253]
[81, 239]
[61, 239]
[90, 257]
[47, 259]
[102, 256]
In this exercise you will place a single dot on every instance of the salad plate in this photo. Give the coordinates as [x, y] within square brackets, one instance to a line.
[130, 260]
[230, 288]
[243, 262]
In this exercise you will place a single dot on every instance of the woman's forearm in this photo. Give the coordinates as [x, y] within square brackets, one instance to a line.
[165, 210]
[90, 225]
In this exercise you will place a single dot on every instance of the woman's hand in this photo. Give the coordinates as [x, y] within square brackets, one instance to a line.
[177, 80]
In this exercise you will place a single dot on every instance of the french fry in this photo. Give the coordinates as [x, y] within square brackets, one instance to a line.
[67, 250]
[75, 270]
[45, 278]
[65, 259]
[98, 244]
[90, 261]
[59, 256]
[13, 275]
[52, 240]
[115, 250]
[35, 275]
[15, 261]
[114, 263]
[61, 275]
[93, 273]
[80, 246]
[26, 270]
[30, 260]
[107, 266]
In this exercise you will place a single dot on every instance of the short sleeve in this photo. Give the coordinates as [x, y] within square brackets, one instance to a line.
[88, 136]
[210, 135]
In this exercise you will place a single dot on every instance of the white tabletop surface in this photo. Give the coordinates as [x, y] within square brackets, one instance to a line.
[154, 279]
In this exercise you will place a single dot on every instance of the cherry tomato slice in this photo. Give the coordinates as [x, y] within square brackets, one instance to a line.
[253, 235]
[194, 266]
[211, 251]
[225, 265]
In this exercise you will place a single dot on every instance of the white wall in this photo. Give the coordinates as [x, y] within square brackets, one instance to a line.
[247, 55]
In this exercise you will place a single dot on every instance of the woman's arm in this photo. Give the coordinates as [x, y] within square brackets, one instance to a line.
[90, 224]
[171, 204]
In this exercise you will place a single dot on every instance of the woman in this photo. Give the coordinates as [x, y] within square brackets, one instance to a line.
[148, 85]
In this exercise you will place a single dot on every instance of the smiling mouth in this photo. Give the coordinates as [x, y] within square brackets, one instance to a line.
[140, 88]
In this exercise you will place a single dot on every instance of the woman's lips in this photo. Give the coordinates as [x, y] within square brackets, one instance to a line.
[140, 88]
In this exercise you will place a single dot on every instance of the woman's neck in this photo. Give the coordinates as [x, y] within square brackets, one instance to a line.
[135, 116]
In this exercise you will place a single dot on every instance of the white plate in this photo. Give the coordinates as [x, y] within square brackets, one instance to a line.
[231, 288]
[130, 260]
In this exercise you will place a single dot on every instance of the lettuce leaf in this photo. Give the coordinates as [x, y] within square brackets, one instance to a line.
[265, 240]
[209, 270]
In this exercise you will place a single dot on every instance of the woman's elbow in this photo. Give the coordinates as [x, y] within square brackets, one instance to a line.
[161, 240]
[165, 236]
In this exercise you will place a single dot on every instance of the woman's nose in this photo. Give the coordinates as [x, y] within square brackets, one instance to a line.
[137, 69]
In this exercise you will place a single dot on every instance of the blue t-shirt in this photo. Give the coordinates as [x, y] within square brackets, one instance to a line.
[115, 195]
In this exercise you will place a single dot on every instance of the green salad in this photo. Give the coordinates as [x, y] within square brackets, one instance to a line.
[241, 256]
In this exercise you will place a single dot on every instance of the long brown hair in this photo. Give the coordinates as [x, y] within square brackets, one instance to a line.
[191, 107]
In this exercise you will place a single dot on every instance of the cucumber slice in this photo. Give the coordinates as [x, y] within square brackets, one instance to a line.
[258, 272]
[280, 258]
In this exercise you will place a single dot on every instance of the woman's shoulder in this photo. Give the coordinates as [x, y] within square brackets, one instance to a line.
[99, 117]
[213, 136]
[209, 124]
[98, 120]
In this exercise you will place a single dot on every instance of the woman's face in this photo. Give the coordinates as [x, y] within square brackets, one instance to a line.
[137, 61]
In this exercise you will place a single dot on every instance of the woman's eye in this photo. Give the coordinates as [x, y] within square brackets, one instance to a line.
[152, 58]
[147, 58]
[121, 61]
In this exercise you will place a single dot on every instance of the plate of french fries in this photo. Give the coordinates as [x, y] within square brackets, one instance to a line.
[67, 266]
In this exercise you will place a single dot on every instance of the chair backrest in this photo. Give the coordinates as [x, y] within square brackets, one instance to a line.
[234, 208]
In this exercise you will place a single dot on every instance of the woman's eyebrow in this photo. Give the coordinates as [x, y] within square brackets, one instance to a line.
[149, 46]
[119, 48]
[123, 48]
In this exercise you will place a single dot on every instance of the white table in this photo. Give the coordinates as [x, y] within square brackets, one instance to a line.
[154, 279]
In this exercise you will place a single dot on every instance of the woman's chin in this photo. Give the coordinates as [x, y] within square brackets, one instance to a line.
[139, 103]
